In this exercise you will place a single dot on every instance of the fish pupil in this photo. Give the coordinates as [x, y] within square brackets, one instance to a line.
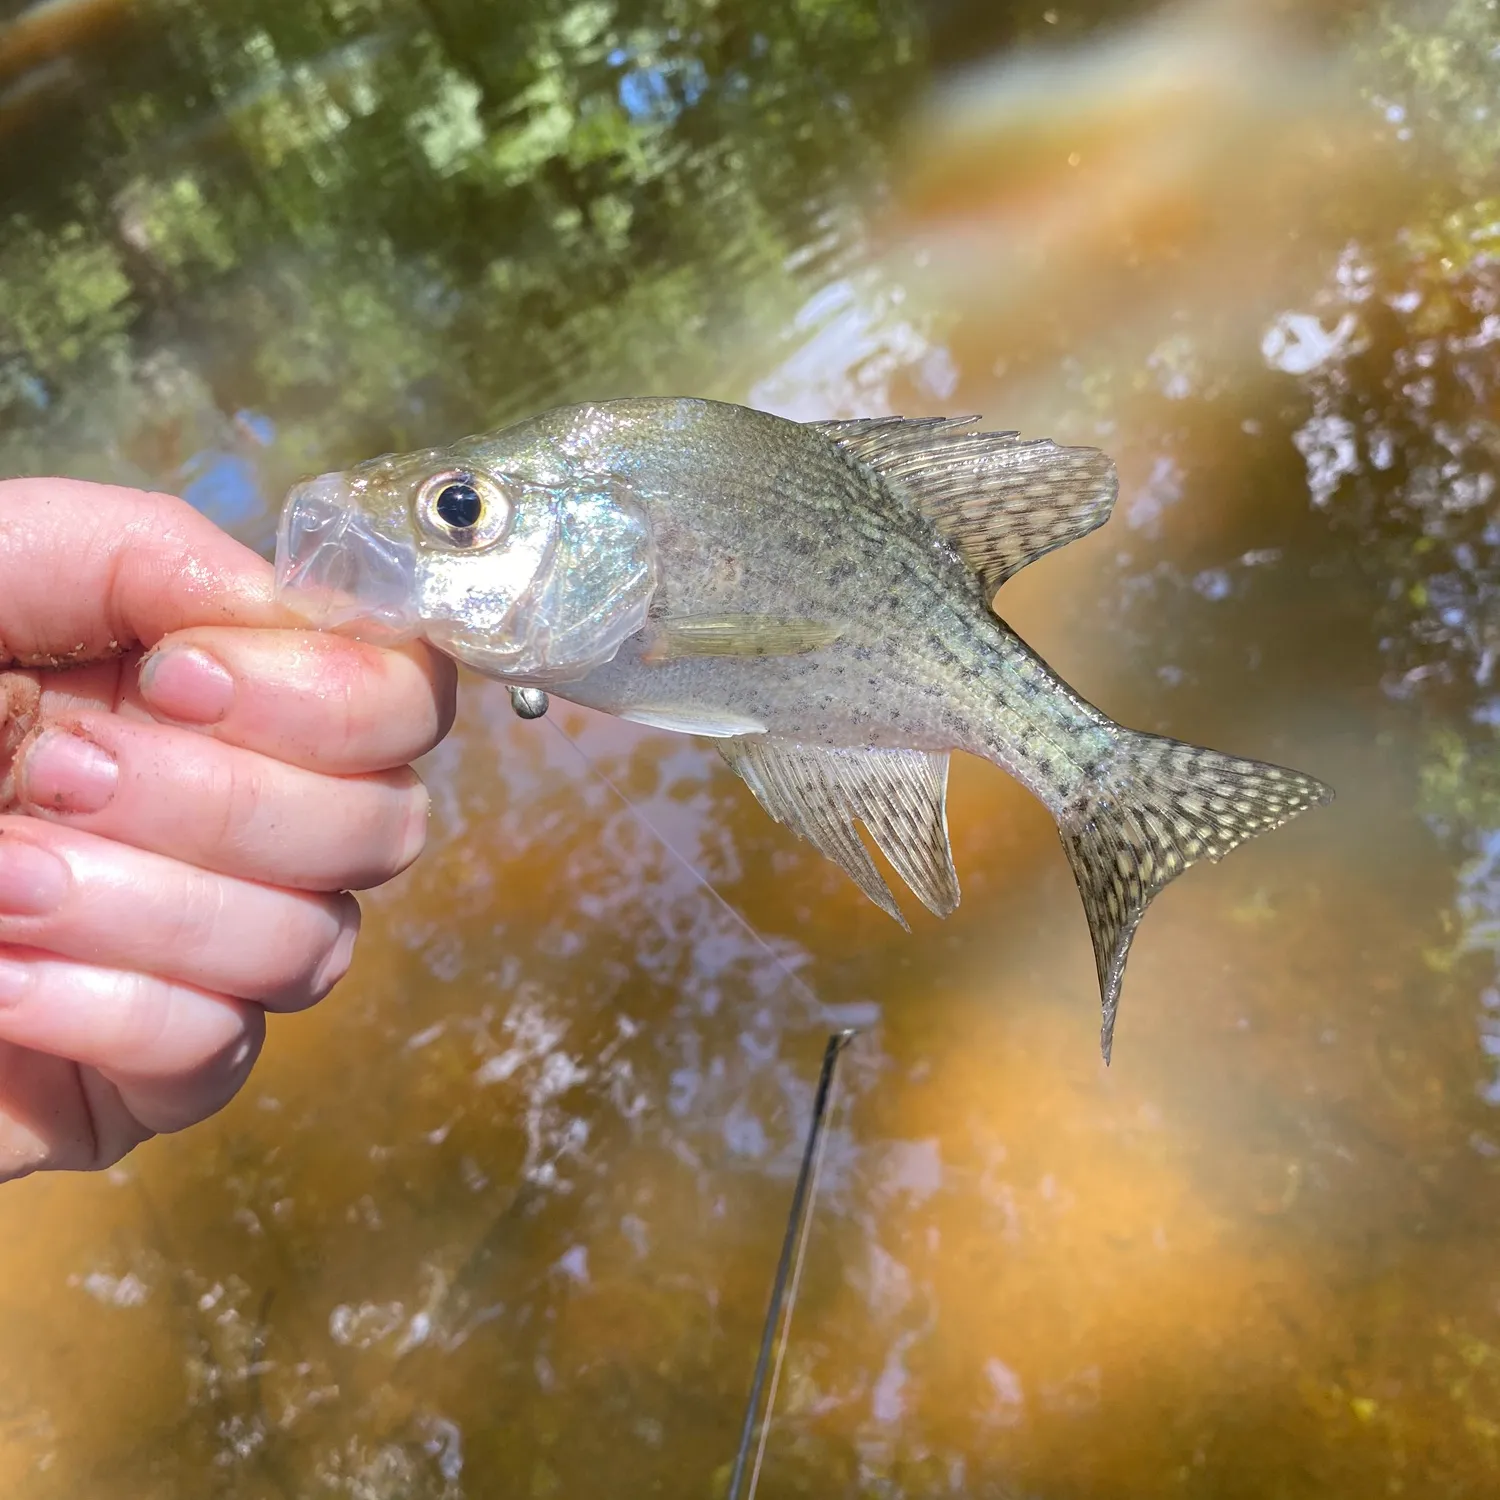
[459, 506]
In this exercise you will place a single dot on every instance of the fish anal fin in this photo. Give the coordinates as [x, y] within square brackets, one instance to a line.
[1160, 807]
[900, 796]
[1003, 502]
[744, 635]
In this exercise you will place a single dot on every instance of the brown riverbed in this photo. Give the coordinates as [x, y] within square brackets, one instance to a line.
[499, 1219]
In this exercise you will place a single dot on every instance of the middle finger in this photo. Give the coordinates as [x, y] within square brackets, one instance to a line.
[181, 794]
[82, 897]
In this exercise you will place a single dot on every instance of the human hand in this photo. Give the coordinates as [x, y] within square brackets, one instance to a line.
[179, 830]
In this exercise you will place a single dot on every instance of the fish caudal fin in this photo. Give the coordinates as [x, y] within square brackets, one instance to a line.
[1159, 807]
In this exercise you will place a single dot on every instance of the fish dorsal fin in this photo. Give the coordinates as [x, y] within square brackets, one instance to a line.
[899, 795]
[1001, 501]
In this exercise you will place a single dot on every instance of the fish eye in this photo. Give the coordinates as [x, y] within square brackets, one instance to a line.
[458, 506]
[462, 509]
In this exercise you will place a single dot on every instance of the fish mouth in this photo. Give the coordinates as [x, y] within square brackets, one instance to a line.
[336, 571]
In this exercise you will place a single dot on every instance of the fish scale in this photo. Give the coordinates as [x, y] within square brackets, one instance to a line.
[816, 598]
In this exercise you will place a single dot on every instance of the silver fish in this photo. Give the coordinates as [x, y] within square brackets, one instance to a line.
[814, 596]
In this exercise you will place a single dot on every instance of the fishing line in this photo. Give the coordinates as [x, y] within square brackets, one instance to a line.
[740, 918]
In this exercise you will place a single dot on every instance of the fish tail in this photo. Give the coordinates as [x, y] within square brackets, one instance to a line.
[1155, 808]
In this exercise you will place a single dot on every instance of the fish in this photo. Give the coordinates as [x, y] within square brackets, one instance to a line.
[815, 597]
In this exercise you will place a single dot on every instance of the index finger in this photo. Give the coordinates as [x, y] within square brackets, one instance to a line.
[323, 702]
[89, 571]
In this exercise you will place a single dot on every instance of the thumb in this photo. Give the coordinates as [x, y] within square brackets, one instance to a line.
[88, 571]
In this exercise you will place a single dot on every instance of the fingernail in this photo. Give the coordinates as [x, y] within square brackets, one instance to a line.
[186, 684]
[33, 881]
[15, 981]
[63, 772]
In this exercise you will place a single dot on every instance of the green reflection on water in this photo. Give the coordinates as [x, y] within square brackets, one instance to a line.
[379, 224]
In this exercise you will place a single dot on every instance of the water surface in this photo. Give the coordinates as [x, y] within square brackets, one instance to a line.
[500, 1218]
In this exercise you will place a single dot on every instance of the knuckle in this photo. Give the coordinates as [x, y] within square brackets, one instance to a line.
[237, 795]
[218, 1076]
[194, 921]
[203, 1076]
[225, 1070]
[445, 694]
[137, 1014]
[321, 958]
[385, 706]
[335, 964]
[348, 694]
[433, 694]
[398, 827]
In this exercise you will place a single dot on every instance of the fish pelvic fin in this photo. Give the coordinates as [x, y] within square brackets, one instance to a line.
[899, 795]
[1003, 502]
[1159, 807]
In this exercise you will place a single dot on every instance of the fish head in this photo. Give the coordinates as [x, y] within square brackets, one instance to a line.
[511, 553]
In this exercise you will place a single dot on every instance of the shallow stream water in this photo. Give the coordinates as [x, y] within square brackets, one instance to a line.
[499, 1219]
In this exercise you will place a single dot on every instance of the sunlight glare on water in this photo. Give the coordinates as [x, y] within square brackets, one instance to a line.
[500, 1218]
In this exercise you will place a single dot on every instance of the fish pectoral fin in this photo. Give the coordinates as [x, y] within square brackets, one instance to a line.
[672, 639]
[1001, 501]
[899, 795]
[1160, 807]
